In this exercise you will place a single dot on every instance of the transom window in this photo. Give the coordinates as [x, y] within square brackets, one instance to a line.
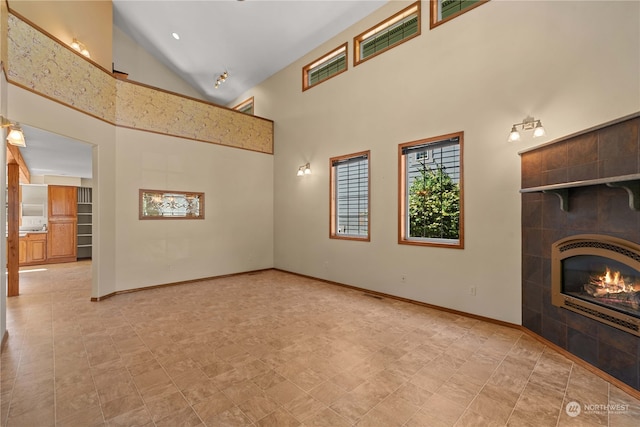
[445, 10]
[350, 196]
[245, 106]
[401, 27]
[430, 207]
[330, 65]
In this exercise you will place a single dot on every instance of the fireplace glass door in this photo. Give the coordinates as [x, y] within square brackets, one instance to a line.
[602, 281]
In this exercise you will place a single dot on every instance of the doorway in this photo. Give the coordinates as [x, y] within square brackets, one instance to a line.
[54, 162]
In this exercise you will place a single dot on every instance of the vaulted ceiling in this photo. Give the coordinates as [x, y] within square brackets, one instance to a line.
[250, 39]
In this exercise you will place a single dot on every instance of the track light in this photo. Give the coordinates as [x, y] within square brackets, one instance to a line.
[77, 45]
[529, 123]
[221, 79]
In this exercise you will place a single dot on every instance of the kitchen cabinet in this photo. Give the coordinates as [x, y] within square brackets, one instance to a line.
[32, 249]
[63, 220]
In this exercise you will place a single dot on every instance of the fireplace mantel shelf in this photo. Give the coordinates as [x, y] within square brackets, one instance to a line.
[630, 183]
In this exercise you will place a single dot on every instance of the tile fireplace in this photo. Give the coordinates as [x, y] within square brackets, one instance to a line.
[581, 228]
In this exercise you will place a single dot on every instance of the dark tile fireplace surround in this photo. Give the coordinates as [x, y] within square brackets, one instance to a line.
[596, 154]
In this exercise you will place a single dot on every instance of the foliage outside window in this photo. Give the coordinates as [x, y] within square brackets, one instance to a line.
[445, 10]
[330, 65]
[397, 29]
[245, 106]
[349, 191]
[431, 202]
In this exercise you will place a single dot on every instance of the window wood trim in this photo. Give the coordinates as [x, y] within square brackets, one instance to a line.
[381, 26]
[402, 182]
[329, 55]
[332, 198]
[144, 196]
[433, 22]
[244, 104]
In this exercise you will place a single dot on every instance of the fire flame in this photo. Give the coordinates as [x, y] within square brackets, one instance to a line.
[611, 283]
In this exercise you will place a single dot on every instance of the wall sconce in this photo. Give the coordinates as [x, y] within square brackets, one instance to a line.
[528, 123]
[304, 170]
[75, 44]
[221, 79]
[15, 135]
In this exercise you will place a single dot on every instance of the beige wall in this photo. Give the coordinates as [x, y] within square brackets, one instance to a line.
[28, 108]
[91, 22]
[237, 232]
[130, 58]
[573, 65]
[236, 235]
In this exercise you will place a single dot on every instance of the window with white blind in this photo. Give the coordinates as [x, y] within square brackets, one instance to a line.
[430, 208]
[445, 10]
[350, 196]
[397, 29]
[330, 65]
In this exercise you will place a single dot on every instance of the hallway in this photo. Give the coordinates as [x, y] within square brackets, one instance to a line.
[275, 349]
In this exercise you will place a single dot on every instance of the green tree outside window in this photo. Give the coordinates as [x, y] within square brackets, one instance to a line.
[434, 204]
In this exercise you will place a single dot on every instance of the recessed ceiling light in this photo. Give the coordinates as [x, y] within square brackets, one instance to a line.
[176, 36]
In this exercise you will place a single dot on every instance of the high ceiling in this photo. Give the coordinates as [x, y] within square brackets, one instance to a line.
[250, 39]
[47, 153]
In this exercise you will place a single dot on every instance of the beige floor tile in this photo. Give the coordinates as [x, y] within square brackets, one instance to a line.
[225, 352]
[40, 415]
[444, 409]
[165, 405]
[135, 417]
[327, 392]
[283, 392]
[304, 407]
[424, 418]
[278, 418]
[233, 417]
[72, 401]
[242, 391]
[88, 416]
[211, 407]
[258, 407]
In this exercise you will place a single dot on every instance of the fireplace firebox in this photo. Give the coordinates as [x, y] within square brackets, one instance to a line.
[598, 276]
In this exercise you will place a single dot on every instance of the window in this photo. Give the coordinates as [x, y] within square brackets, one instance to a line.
[160, 204]
[401, 27]
[430, 207]
[350, 196]
[445, 10]
[330, 65]
[245, 106]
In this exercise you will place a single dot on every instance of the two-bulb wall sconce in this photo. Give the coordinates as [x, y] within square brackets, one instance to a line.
[15, 135]
[529, 123]
[304, 170]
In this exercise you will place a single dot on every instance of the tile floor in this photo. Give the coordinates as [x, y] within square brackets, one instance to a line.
[274, 349]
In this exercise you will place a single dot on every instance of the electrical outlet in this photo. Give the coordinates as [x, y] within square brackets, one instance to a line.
[403, 278]
[472, 291]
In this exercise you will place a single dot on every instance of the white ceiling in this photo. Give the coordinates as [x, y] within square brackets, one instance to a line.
[47, 153]
[251, 39]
